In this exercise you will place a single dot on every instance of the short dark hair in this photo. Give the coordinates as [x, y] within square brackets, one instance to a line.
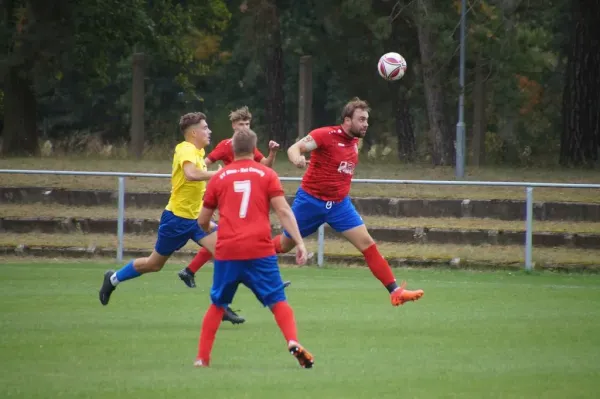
[190, 119]
[244, 142]
[353, 105]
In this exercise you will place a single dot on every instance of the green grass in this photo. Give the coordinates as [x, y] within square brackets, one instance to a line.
[473, 335]
[376, 170]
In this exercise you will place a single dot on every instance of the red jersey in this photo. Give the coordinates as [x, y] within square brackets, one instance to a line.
[242, 193]
[332, 164]
[224, 152]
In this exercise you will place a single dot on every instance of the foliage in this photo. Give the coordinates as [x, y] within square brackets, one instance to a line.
[211, 55]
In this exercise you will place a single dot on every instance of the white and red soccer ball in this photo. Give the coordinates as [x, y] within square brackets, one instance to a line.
[391, 66]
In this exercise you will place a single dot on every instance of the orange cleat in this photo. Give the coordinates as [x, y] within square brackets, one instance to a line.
[401, 295]
[304, 357]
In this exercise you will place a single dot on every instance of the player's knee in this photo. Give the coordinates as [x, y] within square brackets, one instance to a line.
[152, 265]
[274, 298]
[364, 242]
[273, 306]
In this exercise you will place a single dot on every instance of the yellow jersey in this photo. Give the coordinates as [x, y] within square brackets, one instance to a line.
[186, 196]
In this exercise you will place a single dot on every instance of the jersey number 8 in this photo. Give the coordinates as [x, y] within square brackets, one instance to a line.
[244, 187]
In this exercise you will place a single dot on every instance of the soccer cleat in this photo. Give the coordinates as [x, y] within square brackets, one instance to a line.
[187, 277]
[201, 363]
[401, 295]
[286, 284]
[106, 289]
[304, 357]
[233, 317]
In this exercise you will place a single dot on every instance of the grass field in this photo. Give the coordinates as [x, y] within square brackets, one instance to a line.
[388, 170]
[473, 335]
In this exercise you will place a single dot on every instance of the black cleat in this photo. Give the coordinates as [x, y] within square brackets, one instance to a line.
[233, 317]
[106, 289]
[286, 284]
[187, 277]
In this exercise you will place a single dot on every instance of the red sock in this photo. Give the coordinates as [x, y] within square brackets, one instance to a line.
[199, 260]
[284, 316]
[277, 244]
[208, 332]
[378, 265]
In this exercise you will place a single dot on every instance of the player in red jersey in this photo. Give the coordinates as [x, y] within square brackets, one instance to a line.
[243, 192]
[223, 152]
[323, 195]
[240, 119]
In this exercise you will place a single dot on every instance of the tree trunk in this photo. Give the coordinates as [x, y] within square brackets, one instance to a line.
[581, 97]
[508, 121]
[403, 126]
[20, 131]
[137, 106]
[434, 96]
[479, 117]
[275, 101]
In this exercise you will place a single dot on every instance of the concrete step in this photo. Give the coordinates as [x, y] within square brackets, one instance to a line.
[394, 207]
[418, 235]
[458, 254]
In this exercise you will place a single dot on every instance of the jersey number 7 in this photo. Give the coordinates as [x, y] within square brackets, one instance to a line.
[244, 187]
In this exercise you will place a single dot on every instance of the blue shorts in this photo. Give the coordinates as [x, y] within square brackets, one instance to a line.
[261, 276]
[312, 212]
[174, 232]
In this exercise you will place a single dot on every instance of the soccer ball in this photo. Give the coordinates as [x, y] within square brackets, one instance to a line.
[391, 66]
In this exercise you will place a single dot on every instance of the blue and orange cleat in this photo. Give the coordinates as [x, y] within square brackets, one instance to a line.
[401, 295]
[304, 357]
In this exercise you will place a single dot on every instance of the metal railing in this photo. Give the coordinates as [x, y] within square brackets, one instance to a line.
[529, 186]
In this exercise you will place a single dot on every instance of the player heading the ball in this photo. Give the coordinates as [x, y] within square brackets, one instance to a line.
[323, 196]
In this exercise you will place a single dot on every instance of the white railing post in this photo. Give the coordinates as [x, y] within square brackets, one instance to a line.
[321, 240]
[120, 219]
[529, 229]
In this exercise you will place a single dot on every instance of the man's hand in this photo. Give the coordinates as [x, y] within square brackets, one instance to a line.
[273, 146]
[301, 162]
[301, 254]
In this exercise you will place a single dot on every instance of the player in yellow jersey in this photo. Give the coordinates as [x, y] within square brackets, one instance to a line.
[178, 222]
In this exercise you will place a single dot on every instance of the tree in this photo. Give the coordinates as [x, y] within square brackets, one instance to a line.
[77, 53]
[267, 16]
[581, 97]
[440, 133]
[30, 31]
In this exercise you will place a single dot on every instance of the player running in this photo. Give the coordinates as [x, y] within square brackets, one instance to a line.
[323, 195]
[178, 222]
[243, 192]
[223, 152]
